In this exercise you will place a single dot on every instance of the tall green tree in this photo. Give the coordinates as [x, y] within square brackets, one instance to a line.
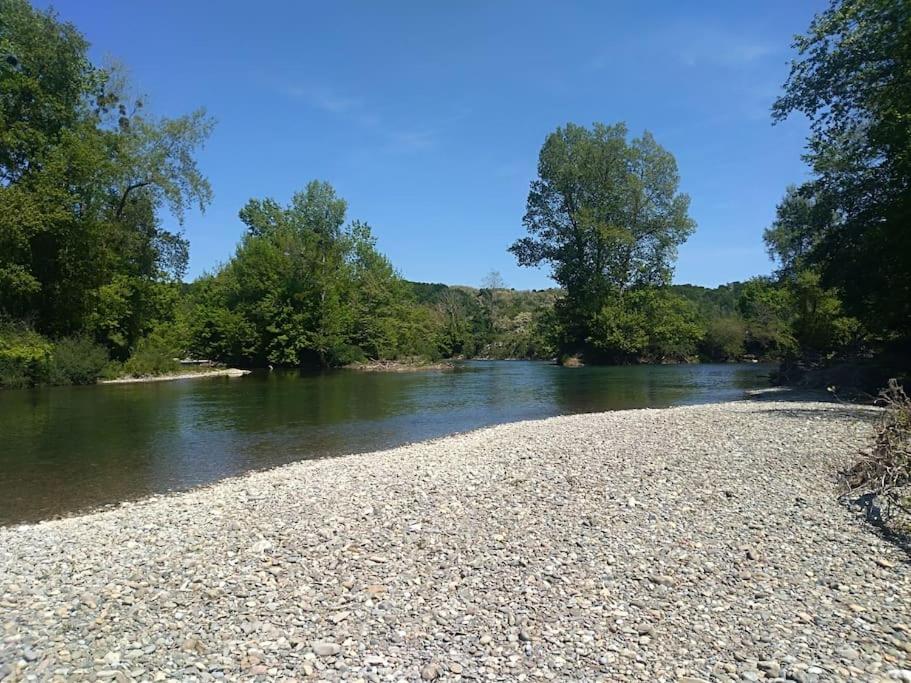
[305, 288]
[85, 177]
[852, 79]
[288, 277]
[606, 215]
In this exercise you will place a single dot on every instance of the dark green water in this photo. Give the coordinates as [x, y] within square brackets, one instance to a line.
[66, 449]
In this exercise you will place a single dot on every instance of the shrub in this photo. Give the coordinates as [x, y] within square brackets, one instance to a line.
[650, 324]
[24, 356]
[885, 469]
[346, 354]
[76, 360]
[154, 354]
[724, 339]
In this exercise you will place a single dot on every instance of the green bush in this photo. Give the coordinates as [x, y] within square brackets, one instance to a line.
[651, 324]
[76, 360]
[724, 339]
[113, 370]
[154, 354]
[24, 356]
[346, 354]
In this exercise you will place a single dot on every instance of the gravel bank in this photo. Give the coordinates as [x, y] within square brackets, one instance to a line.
[198, 374]
[697, 543]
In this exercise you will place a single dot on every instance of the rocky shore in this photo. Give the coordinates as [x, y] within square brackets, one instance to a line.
[194, 374]
[687, 544]
[399, 366]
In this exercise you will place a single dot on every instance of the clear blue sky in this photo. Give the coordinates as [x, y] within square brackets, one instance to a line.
[428, 116]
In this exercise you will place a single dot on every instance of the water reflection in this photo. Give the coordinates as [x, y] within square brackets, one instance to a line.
[70, 448]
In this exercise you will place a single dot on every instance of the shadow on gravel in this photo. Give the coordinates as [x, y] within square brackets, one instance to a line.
[872, 513]
[840, 407]
[837, 412]
[865, 505]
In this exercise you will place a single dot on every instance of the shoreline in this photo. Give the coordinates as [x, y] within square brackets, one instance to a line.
[217, 372]
[399, 366]
[584, 546]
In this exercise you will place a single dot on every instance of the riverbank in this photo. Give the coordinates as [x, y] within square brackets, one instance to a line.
[701, 542]
[196, 374]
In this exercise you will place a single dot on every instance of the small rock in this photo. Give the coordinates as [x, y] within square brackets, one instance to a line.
[323, 648]
[430, 672]
[772, 668]
[848, 653]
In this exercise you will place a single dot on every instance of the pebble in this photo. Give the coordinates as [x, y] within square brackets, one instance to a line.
[325, 649]
[430, 672]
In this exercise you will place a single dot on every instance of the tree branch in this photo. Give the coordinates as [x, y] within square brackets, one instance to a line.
[123, 198]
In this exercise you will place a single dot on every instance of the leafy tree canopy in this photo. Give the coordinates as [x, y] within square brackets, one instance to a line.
[84, 173]
[852, 79]
[605, 213]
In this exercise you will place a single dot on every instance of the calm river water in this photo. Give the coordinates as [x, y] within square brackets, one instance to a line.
[66, 449]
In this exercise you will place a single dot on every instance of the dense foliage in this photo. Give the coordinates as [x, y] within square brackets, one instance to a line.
[84, 174]
[850, 224]
[304, 288]
[606, 216]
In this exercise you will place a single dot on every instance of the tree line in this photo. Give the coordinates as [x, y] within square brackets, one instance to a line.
[606, 215]
[92, 271]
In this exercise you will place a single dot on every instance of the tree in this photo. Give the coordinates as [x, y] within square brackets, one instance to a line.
[287, 276]
[304, 288]
[767, 309]
[801, 220]
[724, 339]
[84, 175]
[605, 213]
[386, 321]
[852, 79]
[44, 79]
[490, 289]
[456, 338]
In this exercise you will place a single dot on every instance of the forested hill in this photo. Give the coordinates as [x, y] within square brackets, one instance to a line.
[721, 300]
[722, 323]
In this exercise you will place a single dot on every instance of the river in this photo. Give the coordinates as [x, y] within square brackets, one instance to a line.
[68, 449]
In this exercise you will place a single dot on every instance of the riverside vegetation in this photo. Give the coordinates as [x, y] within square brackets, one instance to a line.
[91, 273]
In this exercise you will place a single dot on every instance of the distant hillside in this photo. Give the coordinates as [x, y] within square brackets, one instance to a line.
[435, 292]
[711, 302]
[714, 302]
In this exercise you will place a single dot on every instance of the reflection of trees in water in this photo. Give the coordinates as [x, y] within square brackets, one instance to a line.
[68, 448]
[591, 389]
